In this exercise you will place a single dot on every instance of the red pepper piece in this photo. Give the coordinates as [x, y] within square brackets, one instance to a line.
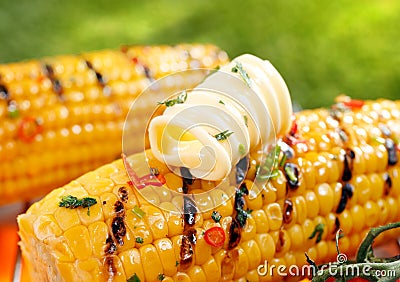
[29, 128]
[215, 236]
[354, 104]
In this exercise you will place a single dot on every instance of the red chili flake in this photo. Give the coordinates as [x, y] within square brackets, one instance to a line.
[135, 60]
[294, 128]
[161, 178]
[29, 128]
[354, 104]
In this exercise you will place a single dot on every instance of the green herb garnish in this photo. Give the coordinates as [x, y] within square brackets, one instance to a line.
[161, 276]
[246, 121]
[269, 169]
[319, 229]
[133, 278]
[221, 102]
[290, 173]
[71, 202]
[242, 149]
[216, 216]
[242, 216]
[139, 212]
[223, 135]
[179, 100]
[176, 263]
[139, 240]
[239, 69]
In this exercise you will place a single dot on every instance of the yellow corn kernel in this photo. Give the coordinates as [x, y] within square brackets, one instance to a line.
[151, 260]
[167, 256]
[132, 263]
[274, 214]
[79, 241]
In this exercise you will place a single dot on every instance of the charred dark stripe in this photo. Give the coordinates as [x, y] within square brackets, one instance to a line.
[348, 165]
[343, 135]
[110, 268]
[123, 194]
[287, 211]
[56, 84]
[187, 179]
[118, 229]
[234, 234]
[111, 247]
[4, 92]
[387, 183]
[119, 208]
[287, 150]
[337, 226]
[99, 76]
[281, 241]
[186, 253]
[241, 169]
[189, 211]
[347, 193]
[392, 151]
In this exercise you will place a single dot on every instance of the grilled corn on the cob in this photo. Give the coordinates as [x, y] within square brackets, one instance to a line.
[61, 117]
[339, 170]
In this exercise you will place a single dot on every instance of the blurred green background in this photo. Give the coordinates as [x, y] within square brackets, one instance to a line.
[322, 48]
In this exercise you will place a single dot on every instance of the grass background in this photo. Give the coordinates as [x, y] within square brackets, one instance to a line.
[322, 48]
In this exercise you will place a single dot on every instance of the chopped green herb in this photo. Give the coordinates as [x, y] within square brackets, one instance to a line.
[246, 121]
[242, 149]
[268, 176]
[133, 278]
[221, 102]
[241, 217]
[216, 216]
[139, 240]
[283, 160]
[71, 202]
[13, 111]
[176, 263]
[138, 211]
[179, 100]
[223, 135]
[319, 229]
[239, 69]
[161, 276]
[291, 173]
[379, 140]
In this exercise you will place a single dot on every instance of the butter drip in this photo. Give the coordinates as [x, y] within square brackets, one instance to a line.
[255, 110]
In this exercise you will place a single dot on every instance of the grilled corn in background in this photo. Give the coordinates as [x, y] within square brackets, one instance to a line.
[63, 116]
[336, 169]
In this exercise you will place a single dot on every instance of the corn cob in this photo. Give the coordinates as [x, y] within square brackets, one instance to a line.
[63, 116]
[345, 175]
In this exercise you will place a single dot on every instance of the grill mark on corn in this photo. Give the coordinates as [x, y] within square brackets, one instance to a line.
[48, 71]
[287, 211]
[292, 183]
[387, 183]
[4, 94]
[123, 194]
[111, 247]
[241, 170]
[348, 165]
[391, 148]
[190, 210]
[337, 225]
[110, 267]
[281, 241]
[187, 179]
[347, 193]
[239, 217]
[118, 227]
[100, 79]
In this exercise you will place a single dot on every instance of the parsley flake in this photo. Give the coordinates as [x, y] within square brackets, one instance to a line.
[216, 216]
[161, 276]
[71, 202]
[133, 278]
[179, 100]
[223, 135]
[239, 69]
[139, 240]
